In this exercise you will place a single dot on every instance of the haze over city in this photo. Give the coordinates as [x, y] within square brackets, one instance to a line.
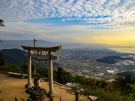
[78, 21]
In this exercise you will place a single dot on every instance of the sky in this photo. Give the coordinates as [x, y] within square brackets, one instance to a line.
[109, 22]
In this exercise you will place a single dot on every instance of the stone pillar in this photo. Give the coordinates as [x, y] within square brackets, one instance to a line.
[30, 84]
[51, 91]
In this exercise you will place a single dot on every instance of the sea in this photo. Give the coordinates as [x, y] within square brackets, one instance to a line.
[124, 50]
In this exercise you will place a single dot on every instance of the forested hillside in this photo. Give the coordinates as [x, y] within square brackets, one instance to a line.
[112, 59]
[1, 60]
[123, 74]
[14, 56]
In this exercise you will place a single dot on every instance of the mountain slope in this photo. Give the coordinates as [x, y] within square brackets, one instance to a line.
[8, 44]
[14, 56]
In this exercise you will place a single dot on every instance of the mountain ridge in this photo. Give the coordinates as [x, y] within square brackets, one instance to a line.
[8, 44]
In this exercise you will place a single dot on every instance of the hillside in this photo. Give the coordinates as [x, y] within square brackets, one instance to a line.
[124, 74]
[13, 56]
[112, 59]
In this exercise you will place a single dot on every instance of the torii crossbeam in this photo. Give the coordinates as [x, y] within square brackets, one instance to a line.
[50, 58]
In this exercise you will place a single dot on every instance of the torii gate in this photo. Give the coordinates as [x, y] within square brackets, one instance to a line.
[50, 58]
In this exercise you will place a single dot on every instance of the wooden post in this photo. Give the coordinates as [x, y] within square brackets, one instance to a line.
[76, 95]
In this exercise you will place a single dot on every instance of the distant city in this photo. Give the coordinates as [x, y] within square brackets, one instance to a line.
[89, 60]
[83, 62]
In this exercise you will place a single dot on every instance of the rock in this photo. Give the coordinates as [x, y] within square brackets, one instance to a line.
[36, 93]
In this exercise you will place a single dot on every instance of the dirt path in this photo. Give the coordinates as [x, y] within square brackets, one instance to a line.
[13, 86]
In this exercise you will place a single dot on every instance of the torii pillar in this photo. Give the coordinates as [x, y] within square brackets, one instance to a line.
[39, 50]
[48, 57]
[51, 91]
[29, 84]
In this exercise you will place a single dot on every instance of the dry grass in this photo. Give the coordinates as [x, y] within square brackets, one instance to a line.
[13, 86]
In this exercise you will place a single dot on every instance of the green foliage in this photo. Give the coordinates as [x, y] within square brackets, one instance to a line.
[125, 85]
[43, 72]
[124, 74]
[2, 62]
[14, 56]
[1, 23]
[25, 67]
[105, 96]
[11, 68]
[62, 76]
[79, 79]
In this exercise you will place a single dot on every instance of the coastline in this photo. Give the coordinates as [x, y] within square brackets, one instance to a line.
[124, 50]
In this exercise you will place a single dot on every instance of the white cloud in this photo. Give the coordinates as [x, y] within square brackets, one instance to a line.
[30, 9]
[90, 15]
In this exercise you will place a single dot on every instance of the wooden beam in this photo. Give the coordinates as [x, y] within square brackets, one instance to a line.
[51, 49]
[43, 57]
[39, 52]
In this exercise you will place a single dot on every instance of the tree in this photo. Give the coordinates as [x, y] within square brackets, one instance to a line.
[124, 84]
[25, 67]
[62, 76]
[1, 23]
[2, 62]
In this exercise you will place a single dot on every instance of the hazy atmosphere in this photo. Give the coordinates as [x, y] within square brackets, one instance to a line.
[67, 50]
[80, 21]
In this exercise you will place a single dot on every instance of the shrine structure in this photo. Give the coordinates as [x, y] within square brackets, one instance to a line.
[39, 55]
